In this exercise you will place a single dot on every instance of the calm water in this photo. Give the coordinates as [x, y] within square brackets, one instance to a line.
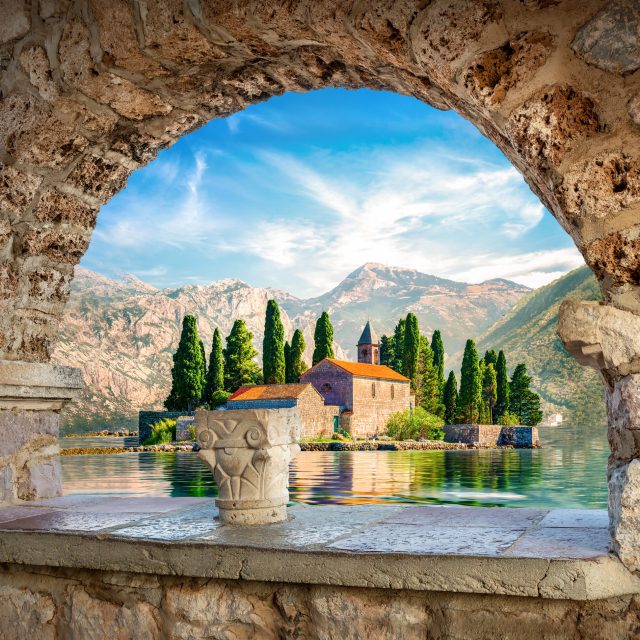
[569, 471]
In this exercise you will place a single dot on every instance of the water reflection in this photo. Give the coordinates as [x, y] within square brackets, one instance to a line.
[569, 471]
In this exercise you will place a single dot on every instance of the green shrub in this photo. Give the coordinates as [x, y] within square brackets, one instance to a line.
[162, 432]
[416, 424]
[509, 420]
[218, 398]
[192, 434]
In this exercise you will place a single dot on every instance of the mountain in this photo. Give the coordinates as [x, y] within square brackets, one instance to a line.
[122, 333]
[527, 334]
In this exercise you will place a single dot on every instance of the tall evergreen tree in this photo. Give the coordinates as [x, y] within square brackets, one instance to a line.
[239, 366]
[288, 375]
[411, 350]
[215, 372]
[502, 388]
[273, 365]
[491, 357]
[204, 363]
[437, 347]
[398, 346]
[186, 374]
[450, 398]
[323, 339]
[429, 392]
[470, 396]
[489, 390]
[523, 402]
[298, 365]
[387, 355]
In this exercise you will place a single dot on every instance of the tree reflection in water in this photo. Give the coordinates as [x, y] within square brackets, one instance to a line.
[569, 471]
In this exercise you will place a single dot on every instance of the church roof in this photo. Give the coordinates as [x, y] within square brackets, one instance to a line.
[364, 370]
[269, 392]
[368, 335]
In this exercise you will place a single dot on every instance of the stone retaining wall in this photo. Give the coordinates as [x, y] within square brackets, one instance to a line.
[49, 604]
[492, 435]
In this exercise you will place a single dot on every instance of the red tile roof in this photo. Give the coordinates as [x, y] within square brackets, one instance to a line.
[363, 370]
[269, 392]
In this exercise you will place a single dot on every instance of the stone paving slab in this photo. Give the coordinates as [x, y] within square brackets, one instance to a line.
[557, 542]
[398, 538]
[119, 504]
[460, 517]
[576, 518]
[72, 521]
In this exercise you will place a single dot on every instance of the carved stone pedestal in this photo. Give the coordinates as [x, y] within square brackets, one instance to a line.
[249, 451]
[31, 396]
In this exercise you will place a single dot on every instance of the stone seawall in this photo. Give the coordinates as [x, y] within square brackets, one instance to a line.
[492, 435]
[147, 418]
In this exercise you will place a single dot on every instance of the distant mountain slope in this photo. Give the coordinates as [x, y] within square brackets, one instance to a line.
[122, 332]
[527, 334]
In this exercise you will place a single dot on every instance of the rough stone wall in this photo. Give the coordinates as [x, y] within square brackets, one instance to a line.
[51, 604]
[317, 418]
[341, 383]
[370, 413]
[148, 418]
[492, 435]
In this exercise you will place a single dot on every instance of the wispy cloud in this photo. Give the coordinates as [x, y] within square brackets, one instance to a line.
[185, 220]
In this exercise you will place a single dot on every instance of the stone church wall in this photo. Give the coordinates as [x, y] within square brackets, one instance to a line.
[371, 412]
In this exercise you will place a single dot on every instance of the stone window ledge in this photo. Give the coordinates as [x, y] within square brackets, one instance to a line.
[556, 554]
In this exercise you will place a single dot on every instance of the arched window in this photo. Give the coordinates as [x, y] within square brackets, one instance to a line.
[393, 392]
[373, 389]
[325, 388]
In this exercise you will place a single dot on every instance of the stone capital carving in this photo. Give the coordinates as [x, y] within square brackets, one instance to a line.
[37, 386]
[249, 453]
[601, 336]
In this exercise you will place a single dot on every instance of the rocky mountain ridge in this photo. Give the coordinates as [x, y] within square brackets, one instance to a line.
[122, 333]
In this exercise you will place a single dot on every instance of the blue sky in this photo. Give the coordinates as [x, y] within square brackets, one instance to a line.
[297, 192]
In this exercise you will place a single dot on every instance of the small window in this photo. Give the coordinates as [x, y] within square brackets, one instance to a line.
[373, 389]
[393, 392]
[325, 388]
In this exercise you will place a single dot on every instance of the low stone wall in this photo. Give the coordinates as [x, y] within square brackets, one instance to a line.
[48, 604]
[148, 418]
[492, 435]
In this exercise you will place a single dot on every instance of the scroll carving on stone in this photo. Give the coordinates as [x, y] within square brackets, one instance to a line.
[249, 453]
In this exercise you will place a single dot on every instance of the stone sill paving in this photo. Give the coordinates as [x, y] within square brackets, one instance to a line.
[559, 554]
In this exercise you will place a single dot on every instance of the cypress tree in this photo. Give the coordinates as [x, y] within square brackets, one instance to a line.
[323, 339]
[398, 346]
[215, 373]
[429, 395]
[491, 357]
[239, 366]
[502, 388]
[470, 396]
[204, 364]
[387, 355]
[437, 347]
[411, 350]
[450, 397]
[273, 364]
[298, 345]
[186, 374]
[489, 390]
[288, 376]
[523, 402]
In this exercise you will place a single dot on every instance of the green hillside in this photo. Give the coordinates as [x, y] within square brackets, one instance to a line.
[527, 333]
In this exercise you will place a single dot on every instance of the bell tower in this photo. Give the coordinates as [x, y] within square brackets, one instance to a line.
[368, 347]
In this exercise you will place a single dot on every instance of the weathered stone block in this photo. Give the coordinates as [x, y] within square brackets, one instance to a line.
[40, 478]
[26, 613]
[601, 336]
[98, 177]
[16, 189]
[35, 62]
[55, 206]
[20, 429]
[624, 512]
[611, 40]
[16, 19]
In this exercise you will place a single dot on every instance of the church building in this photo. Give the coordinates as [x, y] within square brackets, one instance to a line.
[365, 392]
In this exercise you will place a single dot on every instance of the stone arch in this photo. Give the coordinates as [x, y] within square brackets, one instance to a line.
[90, 91]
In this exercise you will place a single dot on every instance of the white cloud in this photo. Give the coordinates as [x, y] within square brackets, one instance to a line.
[150, 221]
